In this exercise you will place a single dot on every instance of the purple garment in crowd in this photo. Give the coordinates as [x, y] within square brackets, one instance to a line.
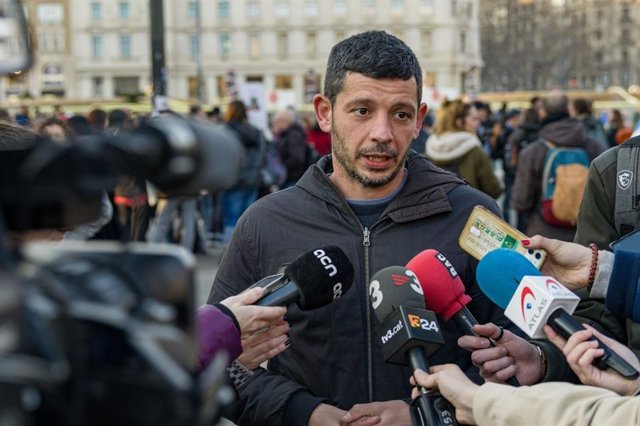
[216, 332]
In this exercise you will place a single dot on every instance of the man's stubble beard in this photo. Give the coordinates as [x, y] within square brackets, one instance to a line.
[341, 152]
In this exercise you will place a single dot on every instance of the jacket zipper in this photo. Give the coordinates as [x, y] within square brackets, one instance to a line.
[366, 242]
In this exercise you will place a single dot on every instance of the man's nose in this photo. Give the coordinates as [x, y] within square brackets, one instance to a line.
[381, 130]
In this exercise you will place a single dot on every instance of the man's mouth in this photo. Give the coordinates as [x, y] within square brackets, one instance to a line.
[377, 160]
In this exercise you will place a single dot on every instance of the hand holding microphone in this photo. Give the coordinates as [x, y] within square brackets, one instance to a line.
[568, 262]
[250, 317]
[582, 351]
[314, 279]
[453, 384]
[531, 301]
[511, 356]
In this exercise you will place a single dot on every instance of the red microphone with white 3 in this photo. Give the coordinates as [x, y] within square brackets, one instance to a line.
[408, 334]
[446, 292]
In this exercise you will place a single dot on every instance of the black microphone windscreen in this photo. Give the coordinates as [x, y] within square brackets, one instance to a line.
[393, 286]
[323, 275]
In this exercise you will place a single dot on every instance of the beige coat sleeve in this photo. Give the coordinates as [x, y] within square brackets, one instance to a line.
[553, 403]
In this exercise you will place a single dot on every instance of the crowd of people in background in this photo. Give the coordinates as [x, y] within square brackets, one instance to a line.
[134, 210]
[482, 147]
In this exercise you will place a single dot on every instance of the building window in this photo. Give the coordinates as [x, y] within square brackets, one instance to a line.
[463, 42]
[192, 9]
[454, 7]
[224, 44]
[426, 7]
[282, 8]
[96, 46]
[281, 46]
[124, 10]
[97, 86]
[339, 36]
[125, 46]
[311, 45]
[397, 8]
[284, 81]
[43, 42]
[50, 13]
[470, 10]
[58, 42]
[340, 7]
[253, 9]
[254, 46]
[369, 7]
[96, 11]
[223, 9]
[194, 43]
[126, 86]
[310, 7]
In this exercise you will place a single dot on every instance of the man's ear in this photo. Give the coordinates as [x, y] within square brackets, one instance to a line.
[322, 107]
[423, 109]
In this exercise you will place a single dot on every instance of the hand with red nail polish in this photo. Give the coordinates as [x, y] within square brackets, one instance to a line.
[568, 262]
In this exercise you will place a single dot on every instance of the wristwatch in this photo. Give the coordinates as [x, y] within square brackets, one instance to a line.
[239, 374]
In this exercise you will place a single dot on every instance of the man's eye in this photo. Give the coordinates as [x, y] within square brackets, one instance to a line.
[403, 115]
[361, 111]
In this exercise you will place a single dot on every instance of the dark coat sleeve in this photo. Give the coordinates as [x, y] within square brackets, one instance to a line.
[217, 333]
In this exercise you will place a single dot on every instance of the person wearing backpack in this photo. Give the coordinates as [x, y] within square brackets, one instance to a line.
[564, 150]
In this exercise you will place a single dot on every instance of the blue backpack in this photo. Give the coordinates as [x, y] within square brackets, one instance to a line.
[563, 180]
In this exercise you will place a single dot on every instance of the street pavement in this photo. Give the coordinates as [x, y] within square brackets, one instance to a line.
[206, 268]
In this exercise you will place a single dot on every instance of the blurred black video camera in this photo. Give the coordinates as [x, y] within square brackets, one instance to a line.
[103, 332]
[98, 332]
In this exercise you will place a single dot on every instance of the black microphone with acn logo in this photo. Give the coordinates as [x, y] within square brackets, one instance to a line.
[314, 279]
[408, 335]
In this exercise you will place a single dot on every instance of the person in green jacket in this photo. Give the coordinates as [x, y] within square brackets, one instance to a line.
[454, 146]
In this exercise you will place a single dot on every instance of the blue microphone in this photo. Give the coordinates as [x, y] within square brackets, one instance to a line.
[531, 300]
[499, 273]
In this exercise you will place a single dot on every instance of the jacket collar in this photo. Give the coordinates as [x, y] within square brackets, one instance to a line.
[424, 193]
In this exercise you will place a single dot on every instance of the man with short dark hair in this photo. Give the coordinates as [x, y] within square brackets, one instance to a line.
[380, 203]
